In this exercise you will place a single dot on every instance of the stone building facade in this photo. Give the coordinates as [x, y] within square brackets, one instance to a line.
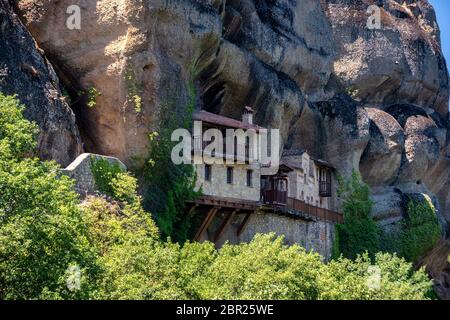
[245, 182]
[305, 179]
[240, 200]
[239, 178]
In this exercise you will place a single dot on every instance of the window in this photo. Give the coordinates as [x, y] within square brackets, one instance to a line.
[229, 175]
[311, 168]
[247, 147]
[249, 178]
[207, 172]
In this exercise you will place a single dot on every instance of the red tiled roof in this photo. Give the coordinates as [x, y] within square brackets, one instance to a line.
[219, 120]
[293, 152]
[323, 163]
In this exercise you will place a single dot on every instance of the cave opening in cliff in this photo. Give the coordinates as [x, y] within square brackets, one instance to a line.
[212, 98]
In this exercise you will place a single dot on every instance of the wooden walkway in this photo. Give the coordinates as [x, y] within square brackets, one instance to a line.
[313, 211]
[227, 203]
[294, 208]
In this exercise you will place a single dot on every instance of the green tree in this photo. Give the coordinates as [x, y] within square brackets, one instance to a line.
[387, 278]
[359, 233]
[107, 247]
[169, 186]
[262, 269]
[420, 231]
[41, 230]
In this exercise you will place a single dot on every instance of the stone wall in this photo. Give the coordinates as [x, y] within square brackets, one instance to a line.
[312, 235]
[80, 170]
[304, 183]
[219, 187]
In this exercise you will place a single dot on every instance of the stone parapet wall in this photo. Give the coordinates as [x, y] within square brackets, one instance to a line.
[80, 171]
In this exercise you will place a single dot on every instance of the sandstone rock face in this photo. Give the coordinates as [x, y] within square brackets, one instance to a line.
[438, 266]
[26, 72]
[381, 160]
[400, 62]
[374, 100]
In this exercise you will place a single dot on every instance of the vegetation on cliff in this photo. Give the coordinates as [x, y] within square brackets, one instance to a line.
[108, 247]
[359, 233]
[413, 237]
[417, 234]
[168, 186]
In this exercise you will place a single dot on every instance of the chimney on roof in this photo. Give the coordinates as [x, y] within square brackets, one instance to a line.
[247, 115]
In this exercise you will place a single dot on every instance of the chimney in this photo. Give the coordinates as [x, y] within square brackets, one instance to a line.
[247, 115]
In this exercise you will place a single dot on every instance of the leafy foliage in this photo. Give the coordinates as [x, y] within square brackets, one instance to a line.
[104, 173]
[359, 233]
[134, 90]
[17, 135]
[169, 186]
[51, 247]
[92, 94]
[41, 230]
[417, 233]
[140, 268]
[262, 269]
[421, 230]
[393, 279]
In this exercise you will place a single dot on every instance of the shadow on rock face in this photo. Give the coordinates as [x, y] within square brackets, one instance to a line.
[26, 72]
[381, 159]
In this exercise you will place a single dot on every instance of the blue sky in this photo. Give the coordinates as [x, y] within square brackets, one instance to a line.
[442, 8]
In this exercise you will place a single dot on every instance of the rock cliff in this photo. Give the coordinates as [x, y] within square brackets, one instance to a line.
[25, 71]
[375, 100]
[371, 99]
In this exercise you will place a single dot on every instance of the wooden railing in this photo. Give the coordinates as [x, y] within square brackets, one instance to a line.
[321, 213]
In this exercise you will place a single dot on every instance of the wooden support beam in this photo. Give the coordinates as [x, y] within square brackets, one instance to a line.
[191, 211]
[224, 225]
[244, 224]
[208, 219]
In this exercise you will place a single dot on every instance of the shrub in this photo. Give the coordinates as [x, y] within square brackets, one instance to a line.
[416, 234]
[420, 230]
[169, 186]
[104, 173]
[41, 230]
[262, 269]
[359, 233]
[388, 278]
[92, 94]
[138, 267]
[17, 135]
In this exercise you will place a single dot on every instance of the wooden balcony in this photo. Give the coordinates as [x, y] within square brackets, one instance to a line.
[226, 202]
[275, 197]
[319, 213]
